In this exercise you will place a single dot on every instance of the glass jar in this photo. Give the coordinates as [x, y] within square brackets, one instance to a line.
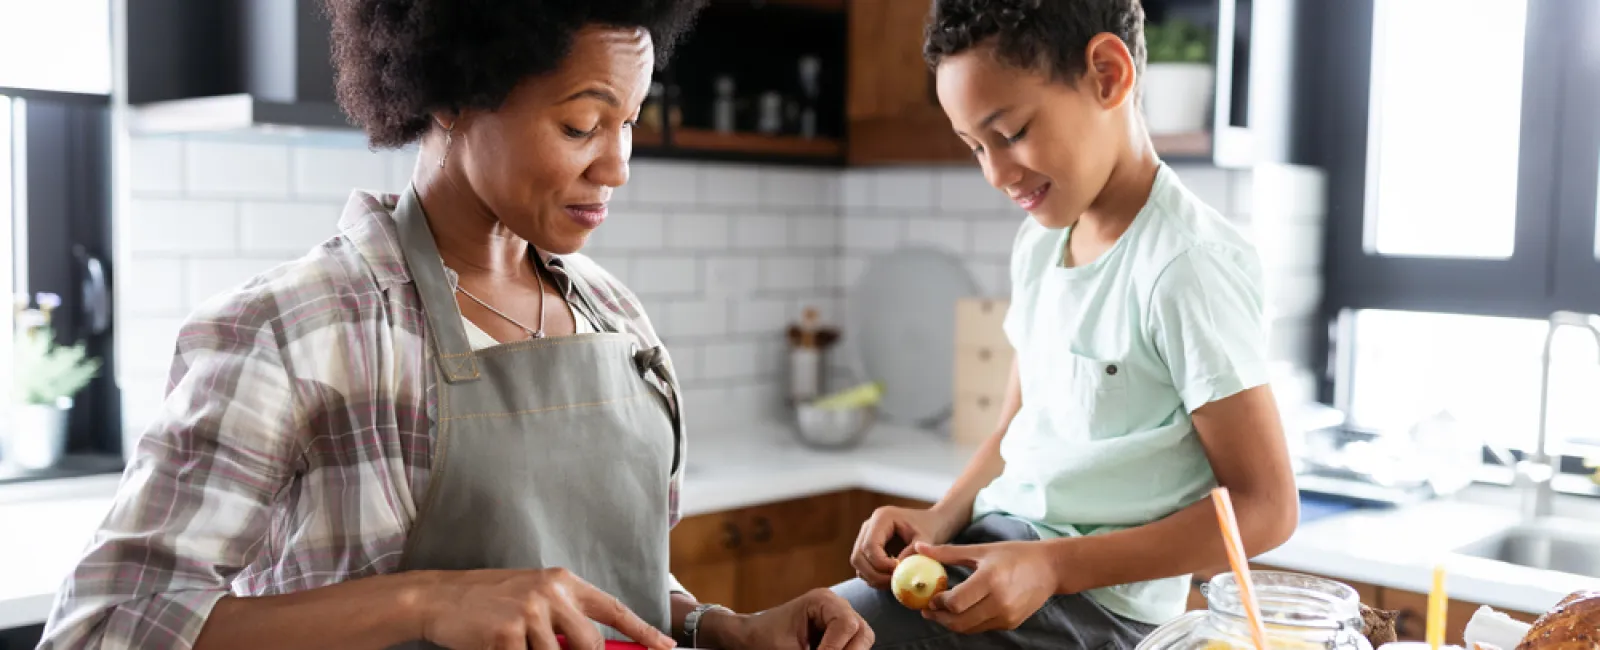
[1300, 612]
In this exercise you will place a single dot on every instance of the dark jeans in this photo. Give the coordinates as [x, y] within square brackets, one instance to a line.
[1072, 621]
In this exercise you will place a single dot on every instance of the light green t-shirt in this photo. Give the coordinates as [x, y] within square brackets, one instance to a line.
[1113, 357]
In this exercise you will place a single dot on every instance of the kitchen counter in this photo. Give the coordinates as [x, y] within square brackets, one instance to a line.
[743, 466]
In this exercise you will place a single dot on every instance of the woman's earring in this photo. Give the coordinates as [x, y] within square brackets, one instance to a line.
[448, 140]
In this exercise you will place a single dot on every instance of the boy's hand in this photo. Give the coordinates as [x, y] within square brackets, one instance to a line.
[870, 557]
[1010, 581]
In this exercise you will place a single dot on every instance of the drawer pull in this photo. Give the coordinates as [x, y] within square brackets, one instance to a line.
[763, 531]
[731, 539]
[983, 402]
[984, 354]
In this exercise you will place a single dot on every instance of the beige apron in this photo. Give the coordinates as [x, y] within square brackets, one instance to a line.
[548, 453]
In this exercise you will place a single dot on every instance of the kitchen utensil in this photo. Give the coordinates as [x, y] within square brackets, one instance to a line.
[1241, 564]
[833, 428]
[900, 327]
[808, 341]
[1437, 602]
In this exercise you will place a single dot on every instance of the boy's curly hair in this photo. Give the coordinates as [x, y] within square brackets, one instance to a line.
[398, 60]
[1044, 35]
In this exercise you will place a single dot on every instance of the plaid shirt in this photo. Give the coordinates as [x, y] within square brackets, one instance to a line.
[293, 448]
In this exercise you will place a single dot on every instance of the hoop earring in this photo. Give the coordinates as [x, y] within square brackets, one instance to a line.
[449, 132]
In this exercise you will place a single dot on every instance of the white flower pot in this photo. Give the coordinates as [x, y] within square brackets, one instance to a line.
[38, 436]
[1177, 97]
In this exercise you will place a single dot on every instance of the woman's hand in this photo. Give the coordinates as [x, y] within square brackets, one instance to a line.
[1010, 581]
[820, 619]
[525, 609]
[870, 557]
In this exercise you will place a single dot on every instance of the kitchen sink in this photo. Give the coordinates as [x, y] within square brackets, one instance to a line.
[1555, 544]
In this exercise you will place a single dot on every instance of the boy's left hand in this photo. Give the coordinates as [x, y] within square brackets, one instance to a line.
[1010, 581]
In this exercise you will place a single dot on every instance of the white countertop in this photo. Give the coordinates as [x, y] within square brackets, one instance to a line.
[744, 466]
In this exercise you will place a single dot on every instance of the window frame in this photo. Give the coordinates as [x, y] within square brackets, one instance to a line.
[1553, 265]
[1521, 285]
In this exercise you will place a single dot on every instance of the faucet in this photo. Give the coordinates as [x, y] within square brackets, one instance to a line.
[1535, 476]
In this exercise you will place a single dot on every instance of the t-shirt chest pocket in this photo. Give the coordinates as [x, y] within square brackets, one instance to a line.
[1099, 389]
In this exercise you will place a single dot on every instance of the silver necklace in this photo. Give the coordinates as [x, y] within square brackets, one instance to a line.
[532, 333]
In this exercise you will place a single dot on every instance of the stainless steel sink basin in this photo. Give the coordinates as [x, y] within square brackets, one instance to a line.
[1564, 545]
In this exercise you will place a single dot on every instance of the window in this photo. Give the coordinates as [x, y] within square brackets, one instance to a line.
[1465, 215]
[55, 216]
[56, 45]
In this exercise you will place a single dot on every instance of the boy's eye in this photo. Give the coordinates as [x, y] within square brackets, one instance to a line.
[1018, 137]
[576, 133]
[978, 150]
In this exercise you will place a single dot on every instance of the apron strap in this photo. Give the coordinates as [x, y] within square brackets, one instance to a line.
[653, 360]
[454, 353]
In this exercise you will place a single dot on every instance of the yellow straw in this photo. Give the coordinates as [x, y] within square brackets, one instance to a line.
[1437, 601]
[1241, 564]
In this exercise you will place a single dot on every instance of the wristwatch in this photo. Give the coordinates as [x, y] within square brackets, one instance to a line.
[691, 623]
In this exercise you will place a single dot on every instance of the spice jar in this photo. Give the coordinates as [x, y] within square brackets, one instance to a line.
[1300, 612]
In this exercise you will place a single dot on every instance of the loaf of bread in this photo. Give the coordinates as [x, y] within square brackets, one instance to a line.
[1573, 625]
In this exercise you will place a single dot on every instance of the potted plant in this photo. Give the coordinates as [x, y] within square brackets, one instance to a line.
[1179, 79]
[45, 377]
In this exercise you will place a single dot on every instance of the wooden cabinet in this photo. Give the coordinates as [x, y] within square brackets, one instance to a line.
[1412, 623]
[893, 115]
[756, 558]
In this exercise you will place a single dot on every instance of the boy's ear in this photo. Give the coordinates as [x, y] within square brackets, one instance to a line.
[1109, 71]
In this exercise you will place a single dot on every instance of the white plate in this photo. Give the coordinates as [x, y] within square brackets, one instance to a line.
[902, 330]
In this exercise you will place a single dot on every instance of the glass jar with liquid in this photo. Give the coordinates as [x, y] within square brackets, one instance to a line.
[1300, 612]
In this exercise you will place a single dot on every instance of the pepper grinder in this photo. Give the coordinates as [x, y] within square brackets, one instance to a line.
[808, 341]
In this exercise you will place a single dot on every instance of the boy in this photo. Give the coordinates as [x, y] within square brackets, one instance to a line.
[1140, 380]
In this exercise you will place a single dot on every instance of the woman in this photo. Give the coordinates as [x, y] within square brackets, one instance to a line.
[443, 426]
[1140, 380]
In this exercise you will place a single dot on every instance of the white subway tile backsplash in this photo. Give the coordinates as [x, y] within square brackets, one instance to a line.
[169, 226]
[947, 234]
[789, 273]
[670, 275]
[753, 316]
[236, 169]
[736, 359]
[209, 278]
[1285, 193]
[286, 228]
[156, 288]
[630, 231]
[993, 236]
[332, 173]
[851, 266]
[699, 317]
[903, 188]
[793, 188]
[731, 186]
[686, 361]
[760, 232]
[663, 183]
[856, 188]
[872, 233]
[994, 278]
[156, 166]
[814, 232]
[734, 277]
[699, 231]
[147, 346]
[964, 189]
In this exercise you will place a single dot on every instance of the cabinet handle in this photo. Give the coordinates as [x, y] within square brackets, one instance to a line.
[763, 531]
[984, 354]
[731, 538]
[983, 402]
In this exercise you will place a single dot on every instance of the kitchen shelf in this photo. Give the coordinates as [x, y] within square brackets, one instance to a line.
[756, 143]
[820, 5]
[648, 138]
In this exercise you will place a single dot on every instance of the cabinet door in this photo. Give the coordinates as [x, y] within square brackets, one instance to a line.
[1412, 625]
[767, 580]
[893, 114]
[705, 557]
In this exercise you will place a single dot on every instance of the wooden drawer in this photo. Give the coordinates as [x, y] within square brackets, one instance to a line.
[974, 417]
[706, 538]
[980, 323]
[790, 524]
[982, 369]
[1412, 625]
